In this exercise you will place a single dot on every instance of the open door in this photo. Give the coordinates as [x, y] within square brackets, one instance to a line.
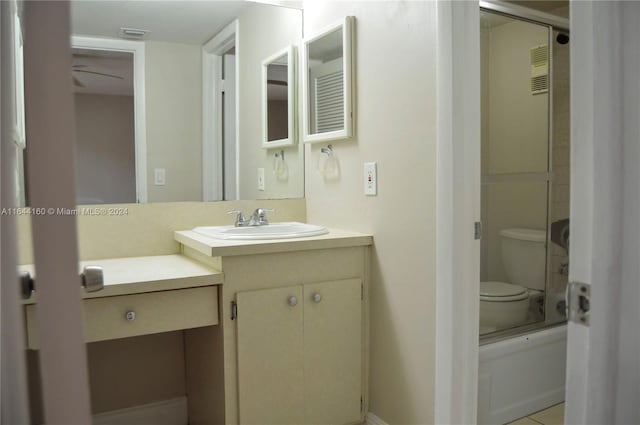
[603, 357]
[49, 131]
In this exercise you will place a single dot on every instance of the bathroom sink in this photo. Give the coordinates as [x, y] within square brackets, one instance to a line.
[284, 230]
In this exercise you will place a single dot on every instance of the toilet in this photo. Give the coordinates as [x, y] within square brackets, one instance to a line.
[506, 304]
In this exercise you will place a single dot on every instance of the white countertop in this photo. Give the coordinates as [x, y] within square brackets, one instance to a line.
[134, 275]
[213, 247]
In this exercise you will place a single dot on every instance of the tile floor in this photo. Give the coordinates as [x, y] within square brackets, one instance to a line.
[554, 415]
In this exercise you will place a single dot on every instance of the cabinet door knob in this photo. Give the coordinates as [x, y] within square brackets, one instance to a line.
[130, 316]
[317, 298]
[293, 301]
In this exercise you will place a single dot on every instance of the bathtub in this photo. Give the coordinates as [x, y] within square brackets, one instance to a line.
[521, 375]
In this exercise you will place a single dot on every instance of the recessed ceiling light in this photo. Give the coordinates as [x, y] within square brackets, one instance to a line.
[133, 33]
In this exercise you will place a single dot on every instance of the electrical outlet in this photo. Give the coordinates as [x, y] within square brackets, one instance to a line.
[370, 179]
[159, 176]
[261, 179]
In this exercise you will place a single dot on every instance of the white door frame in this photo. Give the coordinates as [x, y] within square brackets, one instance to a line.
[212, 161]
[603, 361]
[140, 121]
[13, 377]
[458, 207]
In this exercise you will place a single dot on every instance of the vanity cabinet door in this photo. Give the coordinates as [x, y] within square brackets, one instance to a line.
[300, 354]
[333, 341]
[270, 380]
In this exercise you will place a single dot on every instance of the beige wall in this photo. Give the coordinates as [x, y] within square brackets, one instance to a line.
[147, 229]
[518, 122]
[264, 30]
[515, 137]
[105, 149]
[395, 75]
[173, 74]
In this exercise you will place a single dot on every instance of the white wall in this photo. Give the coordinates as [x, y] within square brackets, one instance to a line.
[105, 149]
[395, 125]
[174, 120]
[264, 30]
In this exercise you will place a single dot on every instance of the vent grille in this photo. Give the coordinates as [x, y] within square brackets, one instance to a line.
[329, 93]
[540, 84]
[539, 69]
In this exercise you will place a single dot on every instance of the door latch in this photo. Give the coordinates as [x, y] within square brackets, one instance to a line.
[578, 298]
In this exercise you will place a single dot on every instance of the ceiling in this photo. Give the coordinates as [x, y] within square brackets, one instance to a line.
[190, 22]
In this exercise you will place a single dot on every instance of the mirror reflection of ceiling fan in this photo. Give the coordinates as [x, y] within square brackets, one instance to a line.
[80, 68]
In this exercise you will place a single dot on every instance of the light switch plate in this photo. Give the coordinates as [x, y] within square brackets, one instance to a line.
[261, 179]
[159, 176]
[370, 179]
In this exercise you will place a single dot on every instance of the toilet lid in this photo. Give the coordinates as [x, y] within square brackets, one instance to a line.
[501, 291]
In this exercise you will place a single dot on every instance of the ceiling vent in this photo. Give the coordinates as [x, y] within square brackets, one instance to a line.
[133, 33]
[540, 69]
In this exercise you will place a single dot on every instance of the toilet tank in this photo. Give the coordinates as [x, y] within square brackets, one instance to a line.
[524, 256]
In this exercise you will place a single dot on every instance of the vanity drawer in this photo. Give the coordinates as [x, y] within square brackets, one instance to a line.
[141, 314]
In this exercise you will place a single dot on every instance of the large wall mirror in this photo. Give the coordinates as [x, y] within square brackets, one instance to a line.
[326, 71]
[279, 99]
[140, 113]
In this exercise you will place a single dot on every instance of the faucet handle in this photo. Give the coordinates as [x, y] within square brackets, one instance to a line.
[239, 217]
[259, 216]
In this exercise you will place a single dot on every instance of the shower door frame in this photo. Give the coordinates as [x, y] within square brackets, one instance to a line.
[599, 213]
[458, 204]
[549, 22]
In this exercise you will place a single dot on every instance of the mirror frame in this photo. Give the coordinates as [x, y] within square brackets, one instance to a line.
[347, 132]
[290, 52]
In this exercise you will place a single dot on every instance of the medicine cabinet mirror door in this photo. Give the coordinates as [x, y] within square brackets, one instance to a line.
[279, 99]
[327, 84]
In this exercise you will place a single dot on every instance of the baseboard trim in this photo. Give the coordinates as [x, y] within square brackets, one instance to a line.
[374, 420]
[166, 412]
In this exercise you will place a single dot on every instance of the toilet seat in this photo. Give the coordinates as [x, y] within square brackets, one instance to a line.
[494, 291]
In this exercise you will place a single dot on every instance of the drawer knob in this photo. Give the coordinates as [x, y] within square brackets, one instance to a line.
[293, 301]
[130, 316]
[317, 298]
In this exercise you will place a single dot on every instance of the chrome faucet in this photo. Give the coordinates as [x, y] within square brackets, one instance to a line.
[258, 218]
[240, 220]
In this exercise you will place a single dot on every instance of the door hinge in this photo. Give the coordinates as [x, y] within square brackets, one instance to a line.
[578, 300]
[361, 404]
[222, 86]
[362, 291]
[234, 310]
[477, 230]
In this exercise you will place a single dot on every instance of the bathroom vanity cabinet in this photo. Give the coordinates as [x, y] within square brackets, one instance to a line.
[294, 318]
[135, 329]
[268, 332]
